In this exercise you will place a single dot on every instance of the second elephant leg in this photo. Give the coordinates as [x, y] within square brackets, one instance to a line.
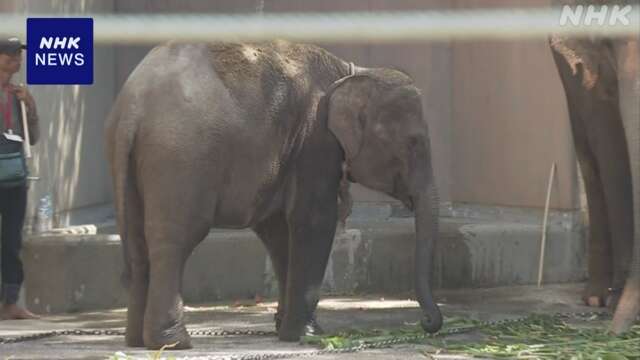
[599, 248]
[615, 174]
[580, 102]
[600, 117]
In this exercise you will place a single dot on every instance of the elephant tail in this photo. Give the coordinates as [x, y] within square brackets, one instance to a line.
[121, 128]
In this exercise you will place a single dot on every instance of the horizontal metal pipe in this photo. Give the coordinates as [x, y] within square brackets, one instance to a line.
[372, 27]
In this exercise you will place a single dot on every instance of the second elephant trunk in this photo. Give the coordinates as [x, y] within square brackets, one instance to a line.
[426, 222]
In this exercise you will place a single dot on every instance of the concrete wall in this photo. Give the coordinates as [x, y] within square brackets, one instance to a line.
[69, 159]
[370, 257]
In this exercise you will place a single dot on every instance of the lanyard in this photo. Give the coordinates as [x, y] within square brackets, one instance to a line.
[6, 110]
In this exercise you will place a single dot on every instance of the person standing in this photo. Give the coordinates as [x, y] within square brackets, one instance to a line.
[13, 198]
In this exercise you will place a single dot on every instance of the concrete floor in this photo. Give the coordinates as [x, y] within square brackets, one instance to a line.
[336, 313]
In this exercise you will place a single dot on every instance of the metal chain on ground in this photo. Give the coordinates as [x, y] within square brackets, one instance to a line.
[112, 332]
[402, 339]
[396, 340]
[217, 333]
[53, 333]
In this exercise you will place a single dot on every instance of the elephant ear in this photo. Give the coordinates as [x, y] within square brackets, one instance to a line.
[343, 108]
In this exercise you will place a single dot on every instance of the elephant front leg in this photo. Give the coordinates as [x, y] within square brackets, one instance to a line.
[274, 233]
[312, 230]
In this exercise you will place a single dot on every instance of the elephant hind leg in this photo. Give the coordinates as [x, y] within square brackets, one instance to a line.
[176, 219]
[170, 244]
[137, 265]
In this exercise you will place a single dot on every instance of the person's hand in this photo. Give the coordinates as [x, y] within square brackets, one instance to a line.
[22, 94]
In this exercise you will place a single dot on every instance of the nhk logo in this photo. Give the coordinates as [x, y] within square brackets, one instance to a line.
[56, 58]
[596, 15]
[60, 51]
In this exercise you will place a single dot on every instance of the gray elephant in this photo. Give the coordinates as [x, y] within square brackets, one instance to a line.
[255, 136]
[601, 78]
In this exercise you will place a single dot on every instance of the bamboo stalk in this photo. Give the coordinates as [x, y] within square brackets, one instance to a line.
[543, 241]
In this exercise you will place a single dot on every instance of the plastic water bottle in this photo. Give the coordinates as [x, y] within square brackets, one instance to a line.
[45, 214]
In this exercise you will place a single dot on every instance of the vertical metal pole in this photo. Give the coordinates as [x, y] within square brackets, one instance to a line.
[26, 143]
[544, 224]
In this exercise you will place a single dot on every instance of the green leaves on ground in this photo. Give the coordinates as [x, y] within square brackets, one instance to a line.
[535, 337]
[548, 337]
[155, 356]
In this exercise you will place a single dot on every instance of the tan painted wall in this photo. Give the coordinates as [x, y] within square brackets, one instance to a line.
[509, 122]
[509, 125]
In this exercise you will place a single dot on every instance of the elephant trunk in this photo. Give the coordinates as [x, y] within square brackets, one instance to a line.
[628, 59]
[426, 223]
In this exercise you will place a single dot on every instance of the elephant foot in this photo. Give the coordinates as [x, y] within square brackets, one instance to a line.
[311, 328]
[278, 319]
[614, 298]
[289, 334]
[595, 301]
[174, 339]
[596, 295]
[133, 340]
[610, 301]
